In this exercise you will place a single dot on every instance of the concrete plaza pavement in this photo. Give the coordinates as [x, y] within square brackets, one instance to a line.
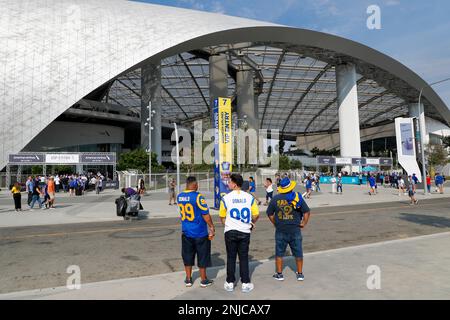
[413, 268]
[98, 208]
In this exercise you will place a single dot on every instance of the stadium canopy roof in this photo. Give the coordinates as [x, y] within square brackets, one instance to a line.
[57, 54]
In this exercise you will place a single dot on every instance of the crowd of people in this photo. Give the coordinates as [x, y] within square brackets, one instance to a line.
[42, 189]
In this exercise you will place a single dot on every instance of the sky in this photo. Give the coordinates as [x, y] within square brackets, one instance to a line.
[414, 32]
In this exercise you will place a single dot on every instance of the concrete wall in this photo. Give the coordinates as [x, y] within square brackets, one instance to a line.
[66, 134]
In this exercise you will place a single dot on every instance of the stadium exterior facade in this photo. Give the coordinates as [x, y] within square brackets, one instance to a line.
[54, 54]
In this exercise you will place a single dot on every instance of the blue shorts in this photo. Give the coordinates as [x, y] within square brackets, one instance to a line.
[294, 239]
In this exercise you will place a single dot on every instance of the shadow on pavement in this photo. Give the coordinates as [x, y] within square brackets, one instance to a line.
[434, 221]
[219, 264]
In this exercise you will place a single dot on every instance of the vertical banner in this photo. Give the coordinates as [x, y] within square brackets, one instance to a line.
[406, 149]
[223, 152]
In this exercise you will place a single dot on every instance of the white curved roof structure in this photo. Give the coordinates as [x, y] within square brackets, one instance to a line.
[54, 53]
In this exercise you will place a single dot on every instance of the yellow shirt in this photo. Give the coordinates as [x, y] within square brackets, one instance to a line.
[15, 190]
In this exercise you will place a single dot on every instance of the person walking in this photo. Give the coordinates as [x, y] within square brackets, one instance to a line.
[429, 183]
[317, 182]
[333, 184]
[51, 189]
[172, 193]
[339, 184]
[197, 232]
[17, 197]
[289, 213]
[252, 189]
[238, 212]
[29, 189]
[412, 191]
[439, 181]
[141, 185]
[277, 179]
[372, 184]
[99, 185]
[269, 190]
[401, 186]
[308, 186]
[36, 196]
[57, 183]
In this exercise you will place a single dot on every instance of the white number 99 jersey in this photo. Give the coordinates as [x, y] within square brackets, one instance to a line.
[238, 207]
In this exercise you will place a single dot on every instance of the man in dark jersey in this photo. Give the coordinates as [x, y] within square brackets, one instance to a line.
[289, 213]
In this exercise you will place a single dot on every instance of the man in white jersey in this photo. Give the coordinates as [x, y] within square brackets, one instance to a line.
[238, 212]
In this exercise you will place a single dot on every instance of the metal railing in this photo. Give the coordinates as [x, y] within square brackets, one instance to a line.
[159, 182]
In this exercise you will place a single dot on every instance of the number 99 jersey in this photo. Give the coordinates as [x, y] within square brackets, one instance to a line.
[238, 207]
[192, 206]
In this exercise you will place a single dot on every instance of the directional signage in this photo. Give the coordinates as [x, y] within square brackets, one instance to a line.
[98, 158]
[343, 160]
[386, 162]
[373, 161]
[63, 158]
[26, 158]
[323, 160]
[358, 161]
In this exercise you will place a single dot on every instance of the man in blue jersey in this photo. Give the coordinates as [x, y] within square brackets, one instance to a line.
[439, 181]
[196, 238]
[372, 183]
[289, 213]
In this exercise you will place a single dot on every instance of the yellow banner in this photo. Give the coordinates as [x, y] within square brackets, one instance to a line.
[225, 135]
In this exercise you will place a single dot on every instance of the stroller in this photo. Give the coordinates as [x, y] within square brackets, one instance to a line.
[128, 207]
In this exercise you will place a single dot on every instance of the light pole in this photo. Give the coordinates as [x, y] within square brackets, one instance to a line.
[422, 134]
[244, 120]
[178, 157]
[150, 128]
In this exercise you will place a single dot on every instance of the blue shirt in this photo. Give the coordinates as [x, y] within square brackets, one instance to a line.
[192, 206]
[252, 186]
[308, 184]
[288, 210]
[439, 180]
[372, 181]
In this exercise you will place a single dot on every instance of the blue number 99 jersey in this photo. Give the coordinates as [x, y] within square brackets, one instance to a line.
[192, 206]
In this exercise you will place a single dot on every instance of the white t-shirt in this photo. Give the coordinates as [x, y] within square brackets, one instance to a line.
[238, 207]
[269, 188]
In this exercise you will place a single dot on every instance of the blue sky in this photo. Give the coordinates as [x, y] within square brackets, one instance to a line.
[415, 32]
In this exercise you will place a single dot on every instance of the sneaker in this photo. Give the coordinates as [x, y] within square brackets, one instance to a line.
[206, 283]
[188, 282]
[228, 286]
[417, 201]
[300, 276]
[247, 287]
[278, 276]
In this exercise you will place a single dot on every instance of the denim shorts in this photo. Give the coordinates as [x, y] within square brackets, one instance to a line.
[294, 239]
[190, 247]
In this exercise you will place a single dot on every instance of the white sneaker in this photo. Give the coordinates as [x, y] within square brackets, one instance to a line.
[228, 286]
[247, 287]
